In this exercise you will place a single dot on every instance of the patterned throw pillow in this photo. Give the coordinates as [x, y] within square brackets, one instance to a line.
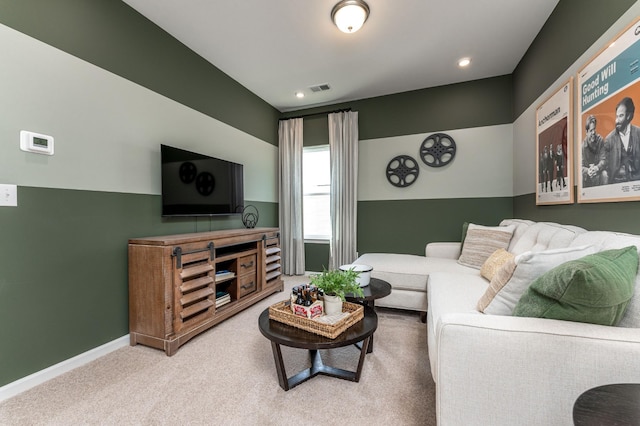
[482, 241]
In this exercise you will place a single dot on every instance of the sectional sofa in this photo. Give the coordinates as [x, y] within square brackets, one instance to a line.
[493, 361]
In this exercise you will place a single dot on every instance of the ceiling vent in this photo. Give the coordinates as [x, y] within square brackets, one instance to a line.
[320, 88]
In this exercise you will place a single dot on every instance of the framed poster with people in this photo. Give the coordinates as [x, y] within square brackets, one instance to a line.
[554, 150]
[609, 137]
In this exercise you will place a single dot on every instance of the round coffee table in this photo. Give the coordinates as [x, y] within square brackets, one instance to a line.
[617, 404]
[283, 334]
[377, 289]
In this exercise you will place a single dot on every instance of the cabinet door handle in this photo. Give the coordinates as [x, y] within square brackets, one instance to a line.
[247, 265]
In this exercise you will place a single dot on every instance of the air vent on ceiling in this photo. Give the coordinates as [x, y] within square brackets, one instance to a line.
[320, 87]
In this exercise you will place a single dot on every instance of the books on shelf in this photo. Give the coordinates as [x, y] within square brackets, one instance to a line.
[222, 298]
[224, 275]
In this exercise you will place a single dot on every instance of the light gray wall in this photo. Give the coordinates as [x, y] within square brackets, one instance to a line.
[107, 129]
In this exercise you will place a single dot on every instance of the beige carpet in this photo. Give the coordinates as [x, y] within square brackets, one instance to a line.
[227, 376]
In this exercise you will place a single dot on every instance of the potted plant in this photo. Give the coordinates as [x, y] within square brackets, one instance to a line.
[335, 284]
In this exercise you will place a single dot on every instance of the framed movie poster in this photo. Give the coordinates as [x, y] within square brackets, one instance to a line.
[609, 136]
[554, 150]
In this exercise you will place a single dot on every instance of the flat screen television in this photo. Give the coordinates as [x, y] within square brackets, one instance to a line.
[199, 185]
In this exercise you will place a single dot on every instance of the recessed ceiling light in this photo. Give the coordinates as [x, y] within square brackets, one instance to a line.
[464, 62]
[299, 95]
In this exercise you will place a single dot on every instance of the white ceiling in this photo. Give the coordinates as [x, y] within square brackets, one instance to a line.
[277, 47]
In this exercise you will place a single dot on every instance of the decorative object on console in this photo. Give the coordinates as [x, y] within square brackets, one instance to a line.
[250, 216]
[350, 15]
[402, 171]
[437, 150]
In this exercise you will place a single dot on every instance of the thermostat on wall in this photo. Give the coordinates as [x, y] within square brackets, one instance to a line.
[36, 143]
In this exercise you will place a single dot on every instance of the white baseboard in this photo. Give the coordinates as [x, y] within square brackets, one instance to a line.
[35, 379]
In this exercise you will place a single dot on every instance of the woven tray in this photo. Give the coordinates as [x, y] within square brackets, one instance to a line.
[281, 312]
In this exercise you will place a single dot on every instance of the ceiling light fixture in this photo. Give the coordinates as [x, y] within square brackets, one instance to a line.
[464, 62]
[350, 15]
[299, 95]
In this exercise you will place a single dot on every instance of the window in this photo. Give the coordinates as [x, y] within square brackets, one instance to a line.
[316, 183]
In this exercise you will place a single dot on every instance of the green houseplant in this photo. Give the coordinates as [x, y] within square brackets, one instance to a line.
[337, 283]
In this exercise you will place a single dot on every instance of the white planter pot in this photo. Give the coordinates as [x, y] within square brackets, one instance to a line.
[332, 305]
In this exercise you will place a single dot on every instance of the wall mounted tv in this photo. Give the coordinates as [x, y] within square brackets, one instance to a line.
[198, 185]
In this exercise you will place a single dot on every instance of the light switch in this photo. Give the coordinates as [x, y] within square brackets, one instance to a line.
[8, 195]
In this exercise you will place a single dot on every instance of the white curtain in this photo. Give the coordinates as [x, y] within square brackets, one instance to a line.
[343, 148]
[290, 196]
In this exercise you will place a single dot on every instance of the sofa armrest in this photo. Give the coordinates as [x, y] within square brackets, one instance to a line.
[544, 364]
[447, 250]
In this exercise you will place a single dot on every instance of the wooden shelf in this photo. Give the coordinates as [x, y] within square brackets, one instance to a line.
[172, 282]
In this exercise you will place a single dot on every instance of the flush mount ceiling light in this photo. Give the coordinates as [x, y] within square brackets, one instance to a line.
[350, 15]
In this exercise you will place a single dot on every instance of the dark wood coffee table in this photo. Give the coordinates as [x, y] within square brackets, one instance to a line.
[283, 334]
[377, 289]
[616, 404]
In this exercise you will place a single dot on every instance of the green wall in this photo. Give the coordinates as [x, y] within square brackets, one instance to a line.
[405, 226]
[114, 36]
[64, 289]
[63, 285]
[408, 224]
[619, 217]
[573, 27]
[63, 263]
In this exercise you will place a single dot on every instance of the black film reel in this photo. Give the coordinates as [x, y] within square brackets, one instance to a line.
[438, 150]
[402, 171]
[187, 172]
[250, 216]
[205, 183]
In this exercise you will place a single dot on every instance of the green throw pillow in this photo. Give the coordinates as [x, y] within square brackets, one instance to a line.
[465, 228]
[594, 289]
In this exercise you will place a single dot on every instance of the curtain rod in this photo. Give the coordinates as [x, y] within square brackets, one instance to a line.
[317, 113]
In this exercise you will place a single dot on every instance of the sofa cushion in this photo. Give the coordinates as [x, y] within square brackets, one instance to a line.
[529, 266]
[594, 289]
[449, 293]
[482, 241]
[494, 263]
[544, 236]
[408, 271]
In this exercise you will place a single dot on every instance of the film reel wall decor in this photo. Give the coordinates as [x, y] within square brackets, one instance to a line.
[402, 171]
[437, 150]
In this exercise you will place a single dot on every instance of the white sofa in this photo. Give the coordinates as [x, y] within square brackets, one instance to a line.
[507, 370]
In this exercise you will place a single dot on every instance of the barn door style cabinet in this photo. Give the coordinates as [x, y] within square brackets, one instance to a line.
[182, 285]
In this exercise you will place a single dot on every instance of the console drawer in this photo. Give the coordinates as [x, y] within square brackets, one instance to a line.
[246, 264]
[246, 285]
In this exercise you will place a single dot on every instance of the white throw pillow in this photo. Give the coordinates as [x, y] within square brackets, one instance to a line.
[529, 266]
[482, 241]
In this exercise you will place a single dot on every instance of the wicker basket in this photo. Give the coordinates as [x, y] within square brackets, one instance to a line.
[281, 312]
